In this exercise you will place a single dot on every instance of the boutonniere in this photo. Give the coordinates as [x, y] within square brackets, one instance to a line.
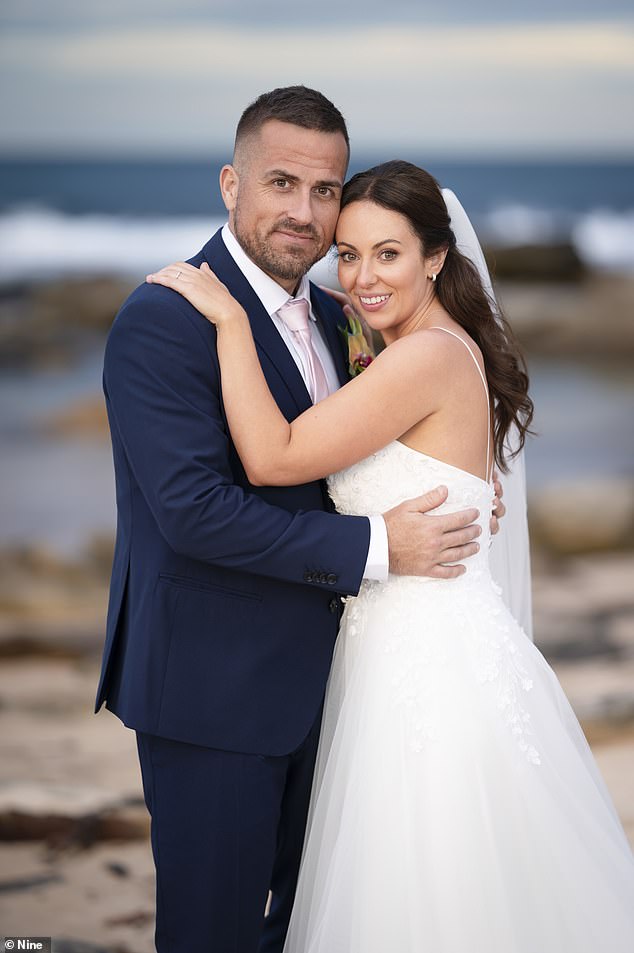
[360, 353]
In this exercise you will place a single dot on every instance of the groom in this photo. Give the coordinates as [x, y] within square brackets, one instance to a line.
[225, 598]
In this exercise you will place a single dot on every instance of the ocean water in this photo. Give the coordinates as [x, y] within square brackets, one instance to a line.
[128, 216]
[61, 490]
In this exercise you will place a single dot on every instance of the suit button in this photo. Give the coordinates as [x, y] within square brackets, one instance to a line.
[308, 576]
[333, 605]
[323, 577]
[331, 579]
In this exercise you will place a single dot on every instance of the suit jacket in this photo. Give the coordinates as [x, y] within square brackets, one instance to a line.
[224, 598]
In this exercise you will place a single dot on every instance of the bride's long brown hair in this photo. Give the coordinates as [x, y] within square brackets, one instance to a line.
[404, 188]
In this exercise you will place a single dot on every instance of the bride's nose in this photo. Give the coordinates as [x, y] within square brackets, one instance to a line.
[366, 276]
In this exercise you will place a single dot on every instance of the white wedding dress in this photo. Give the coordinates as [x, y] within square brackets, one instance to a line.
[456, 806]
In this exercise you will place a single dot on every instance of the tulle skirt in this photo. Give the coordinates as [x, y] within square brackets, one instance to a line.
[456, 807]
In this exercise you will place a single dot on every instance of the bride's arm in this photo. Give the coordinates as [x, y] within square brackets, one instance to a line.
[395, 392]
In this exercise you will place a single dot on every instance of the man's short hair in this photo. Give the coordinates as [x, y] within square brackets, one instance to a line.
[297, 105]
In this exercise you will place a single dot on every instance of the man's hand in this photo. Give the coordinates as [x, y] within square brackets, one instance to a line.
[420, 545]
[499, 508]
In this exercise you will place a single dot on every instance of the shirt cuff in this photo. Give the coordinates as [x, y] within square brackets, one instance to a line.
[378, 561]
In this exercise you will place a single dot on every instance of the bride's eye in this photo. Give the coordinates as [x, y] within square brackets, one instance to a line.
[346, 256]
[388, 254]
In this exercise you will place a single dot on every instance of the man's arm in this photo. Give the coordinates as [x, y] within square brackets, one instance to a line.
[157, 371]
[157, 375]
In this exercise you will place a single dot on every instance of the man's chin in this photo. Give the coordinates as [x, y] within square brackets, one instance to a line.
[289, 267]
[284, 263]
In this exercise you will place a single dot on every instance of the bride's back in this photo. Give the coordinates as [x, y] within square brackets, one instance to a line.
[458, 432]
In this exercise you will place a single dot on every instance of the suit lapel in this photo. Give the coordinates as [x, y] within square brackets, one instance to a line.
[271, 348]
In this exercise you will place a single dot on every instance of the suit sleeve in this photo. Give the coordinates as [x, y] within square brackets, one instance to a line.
[157, 373]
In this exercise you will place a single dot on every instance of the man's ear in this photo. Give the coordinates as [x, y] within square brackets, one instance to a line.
[229, 182]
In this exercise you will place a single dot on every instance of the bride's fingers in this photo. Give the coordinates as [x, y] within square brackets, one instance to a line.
[499, 509]
[181, 266]
[342, 299]
[174, 272]
[186, 278]
[209, 272]
[169, 279]
[339, 296]
[161, 278]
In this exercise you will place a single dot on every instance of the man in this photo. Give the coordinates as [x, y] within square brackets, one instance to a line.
[225, 598]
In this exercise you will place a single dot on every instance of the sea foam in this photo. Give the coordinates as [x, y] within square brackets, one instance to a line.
[41, 243]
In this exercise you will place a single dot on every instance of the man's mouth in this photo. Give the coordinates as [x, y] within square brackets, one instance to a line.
[295, 236]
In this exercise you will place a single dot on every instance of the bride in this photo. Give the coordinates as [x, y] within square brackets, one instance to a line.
[456, 805]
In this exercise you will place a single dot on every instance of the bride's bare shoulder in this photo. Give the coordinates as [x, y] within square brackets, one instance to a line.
[447, 342]
[429, 349]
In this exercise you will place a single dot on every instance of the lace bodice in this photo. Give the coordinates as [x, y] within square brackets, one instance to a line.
[397, 473]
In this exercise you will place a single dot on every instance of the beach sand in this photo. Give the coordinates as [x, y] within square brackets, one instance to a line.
[75, 860]
[70, 785]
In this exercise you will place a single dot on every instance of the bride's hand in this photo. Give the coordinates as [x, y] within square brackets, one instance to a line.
[202, 289]
[345, 302]
[499, 508]
[342, 299]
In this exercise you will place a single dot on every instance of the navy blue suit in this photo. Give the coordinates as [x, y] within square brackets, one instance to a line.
[224, 608]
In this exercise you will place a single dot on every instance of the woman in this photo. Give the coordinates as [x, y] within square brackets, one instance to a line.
[456, 805]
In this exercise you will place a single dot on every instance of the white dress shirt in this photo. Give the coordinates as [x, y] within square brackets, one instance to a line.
[273, 297]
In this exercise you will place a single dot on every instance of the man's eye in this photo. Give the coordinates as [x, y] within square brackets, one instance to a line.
[325, 190]
[280, 183]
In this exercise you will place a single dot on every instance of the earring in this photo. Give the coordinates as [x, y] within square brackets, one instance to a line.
[433, 276]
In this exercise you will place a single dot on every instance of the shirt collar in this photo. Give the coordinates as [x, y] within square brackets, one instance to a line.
[272, 295]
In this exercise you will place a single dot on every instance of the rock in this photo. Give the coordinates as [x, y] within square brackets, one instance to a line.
[68, 640]
[585, 517]
[584, 625]
[86, 303]
[591, 320]
[37, 561]
[53, 606]
[87, 418]
[69, 816]
[28, 883]
[535, 263]
[52, 322]
[62, 945]
[139, 918]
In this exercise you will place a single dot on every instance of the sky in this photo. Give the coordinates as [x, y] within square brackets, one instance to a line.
[171, 77]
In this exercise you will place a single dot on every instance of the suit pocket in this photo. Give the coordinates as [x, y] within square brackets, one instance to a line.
[214, 637]
[202, 585]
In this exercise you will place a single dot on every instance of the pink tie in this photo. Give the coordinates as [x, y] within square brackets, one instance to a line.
[294, 314]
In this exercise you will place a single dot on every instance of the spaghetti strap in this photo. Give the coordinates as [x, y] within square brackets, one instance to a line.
[486, 391]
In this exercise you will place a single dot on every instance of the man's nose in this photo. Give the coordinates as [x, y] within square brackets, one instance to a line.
[300, 209]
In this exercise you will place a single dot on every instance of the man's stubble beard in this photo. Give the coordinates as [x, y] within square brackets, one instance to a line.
[290, 266]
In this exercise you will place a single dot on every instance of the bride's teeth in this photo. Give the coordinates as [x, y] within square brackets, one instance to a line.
[375, 300]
